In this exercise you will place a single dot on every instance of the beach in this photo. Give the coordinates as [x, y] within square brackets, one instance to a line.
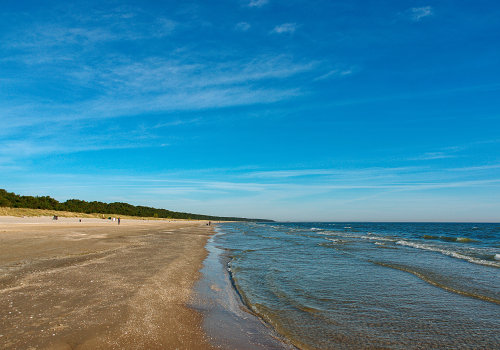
[155, 284]
[95, 284]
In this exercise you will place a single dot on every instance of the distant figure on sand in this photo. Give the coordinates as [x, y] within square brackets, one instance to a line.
[118, 221]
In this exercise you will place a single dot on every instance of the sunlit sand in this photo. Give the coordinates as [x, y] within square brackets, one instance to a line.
[95, 284]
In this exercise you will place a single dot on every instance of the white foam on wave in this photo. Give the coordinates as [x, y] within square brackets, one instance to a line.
[350, 235]
[316, 229]
[449, 253]
[334, 240]
[497, 256]
[326, 233]
[378, 238]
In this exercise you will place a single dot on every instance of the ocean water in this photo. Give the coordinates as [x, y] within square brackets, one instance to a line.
[369, 285]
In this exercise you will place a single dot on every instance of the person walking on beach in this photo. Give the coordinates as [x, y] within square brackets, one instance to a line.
[118, 221]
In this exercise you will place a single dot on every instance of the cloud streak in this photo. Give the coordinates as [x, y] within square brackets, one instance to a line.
[418, 13]
[156, 84]
[243, 26]
[281, 190]
[334, 73]
[200, 191]
[285, 28]
[434, 155]
[257, 3]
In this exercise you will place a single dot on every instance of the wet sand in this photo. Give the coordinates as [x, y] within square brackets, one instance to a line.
[97, 285]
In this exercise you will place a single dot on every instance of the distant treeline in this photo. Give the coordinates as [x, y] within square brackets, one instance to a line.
[9, 199]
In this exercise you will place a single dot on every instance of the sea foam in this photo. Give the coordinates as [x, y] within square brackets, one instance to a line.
[449, 253]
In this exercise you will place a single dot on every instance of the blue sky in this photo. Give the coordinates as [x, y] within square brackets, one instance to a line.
[289, 110]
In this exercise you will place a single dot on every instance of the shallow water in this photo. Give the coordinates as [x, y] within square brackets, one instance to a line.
[370, 285]
[227, 322]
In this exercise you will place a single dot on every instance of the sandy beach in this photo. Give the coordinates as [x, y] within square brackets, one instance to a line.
[93, 284]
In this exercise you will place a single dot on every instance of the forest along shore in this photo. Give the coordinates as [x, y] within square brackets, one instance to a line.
[95, 285]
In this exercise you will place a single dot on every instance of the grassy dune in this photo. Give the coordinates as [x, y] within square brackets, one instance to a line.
[20, 212]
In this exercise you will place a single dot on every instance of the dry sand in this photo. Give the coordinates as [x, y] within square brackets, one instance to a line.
[97, 285]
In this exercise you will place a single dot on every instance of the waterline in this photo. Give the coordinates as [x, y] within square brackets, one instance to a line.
[228, 323]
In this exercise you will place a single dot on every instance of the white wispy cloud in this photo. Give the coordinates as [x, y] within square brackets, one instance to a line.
[283, 190]
[95, 83]
[377, 172]
[434, 155]
[60, 34]
[334, 73]
[239, 194]
[176, 122]
[157, 84]
[443, 153]
[477, 168]
[288, 173]
[285, 28]
[417, 13]
[243, 26]
[18, 149]
[257, 3]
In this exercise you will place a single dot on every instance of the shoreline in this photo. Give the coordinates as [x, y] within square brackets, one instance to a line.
[96, 285]
[228, 322]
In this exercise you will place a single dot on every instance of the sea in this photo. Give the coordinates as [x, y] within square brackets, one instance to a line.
[353, 286]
